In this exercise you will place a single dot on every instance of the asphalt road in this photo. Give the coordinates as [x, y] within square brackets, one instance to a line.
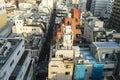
[44, 57]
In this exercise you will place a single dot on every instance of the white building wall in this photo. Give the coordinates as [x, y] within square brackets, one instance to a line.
[82, 4]
[24, 67]
[75, 1]
[102, 51]
[27, 29]
[6, 70]
[64, 53]
[30, 74]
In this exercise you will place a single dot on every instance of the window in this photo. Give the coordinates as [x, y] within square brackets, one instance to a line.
[68, 66]
[33, 29]
[25, 64]
[67, 73]
[69, 23]
[76, 20]
[90, 78]
[23, 45]
[53, 72]
[77, 26]
[78, 36]
[12, 63]
[18, 52]
[108, 69]
[54, 65]
[106, 55]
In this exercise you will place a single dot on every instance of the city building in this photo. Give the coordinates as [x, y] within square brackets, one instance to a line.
[74, 21]
[30, 22]
[116, 37]
[61, 12]
[33, 27]
[15, 62]
[75, 2]
[114, 20]
[47, 4]
[20, 27]
[3, 14]
[88, 5]
[94, 30]
[109, 9]
[97, 61]
[82, 4]
[101, 8]
[61, 57]
[35, 43]
[60, 69]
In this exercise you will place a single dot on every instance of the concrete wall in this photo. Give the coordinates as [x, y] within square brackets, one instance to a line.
[60, 70]
[27, 29]
[6, 70]
[24, 67]
[88, 33]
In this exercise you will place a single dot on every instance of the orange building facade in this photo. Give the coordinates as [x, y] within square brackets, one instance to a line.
[74, 22]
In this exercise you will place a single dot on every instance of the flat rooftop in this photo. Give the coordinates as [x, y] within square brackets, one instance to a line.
[106, 44]
[87, 55]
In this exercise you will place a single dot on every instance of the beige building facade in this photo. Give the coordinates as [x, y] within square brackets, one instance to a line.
[60, 69]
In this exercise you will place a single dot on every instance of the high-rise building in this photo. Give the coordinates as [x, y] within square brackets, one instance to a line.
[115, 17]
[3, 15]
[101, 7]
[88, 5]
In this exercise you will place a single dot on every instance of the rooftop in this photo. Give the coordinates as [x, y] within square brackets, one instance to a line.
[86, 57]
[106, 44]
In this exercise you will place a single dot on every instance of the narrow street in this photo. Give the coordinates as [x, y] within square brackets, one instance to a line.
[44, 55]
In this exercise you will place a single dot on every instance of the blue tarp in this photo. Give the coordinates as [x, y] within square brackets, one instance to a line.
[79, 72]
[97, 72]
